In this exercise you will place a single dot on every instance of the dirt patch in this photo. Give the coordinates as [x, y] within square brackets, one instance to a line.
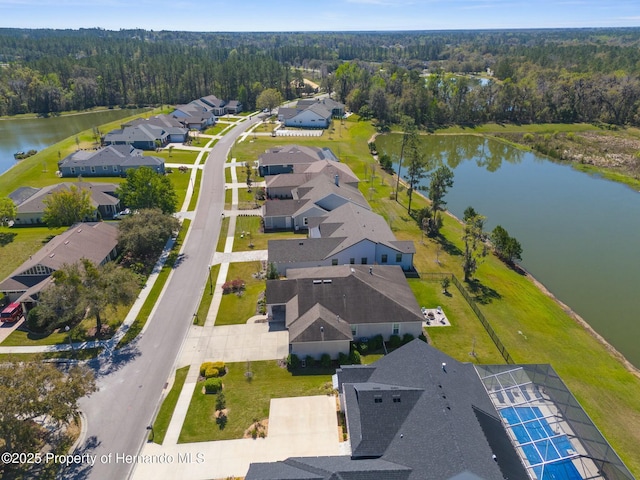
[258, 429]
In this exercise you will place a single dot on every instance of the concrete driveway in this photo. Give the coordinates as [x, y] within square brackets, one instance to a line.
[236, 343]
[298, 427]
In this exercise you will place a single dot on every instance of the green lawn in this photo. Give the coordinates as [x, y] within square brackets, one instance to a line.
[258, 238]
[180, 182]
[227, 174]
[187, 157]
[222, 239]
[216, 129]
[163, 419]
[207, 296]
[196, 191]
[246, 401]
[235, 310]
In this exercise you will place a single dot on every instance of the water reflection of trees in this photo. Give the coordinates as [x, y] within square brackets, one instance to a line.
[452, 150]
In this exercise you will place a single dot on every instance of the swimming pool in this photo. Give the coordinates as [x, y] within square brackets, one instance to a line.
[547, 452]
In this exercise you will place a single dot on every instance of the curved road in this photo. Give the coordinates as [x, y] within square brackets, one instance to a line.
[131, 381]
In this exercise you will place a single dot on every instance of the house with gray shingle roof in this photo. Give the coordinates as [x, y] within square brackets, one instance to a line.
[325, 308]
[348, 235]
[94, 241]
[311, 113]
[282, 185]
[314, 198]
[31, 208]
[284, 159]
[177, 132]
[194, 116]
[110, 161]
[145, 137]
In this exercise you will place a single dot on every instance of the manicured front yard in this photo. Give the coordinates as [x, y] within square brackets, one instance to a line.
[246, 401]
[259, 239]
[234, 309]
[175, 155]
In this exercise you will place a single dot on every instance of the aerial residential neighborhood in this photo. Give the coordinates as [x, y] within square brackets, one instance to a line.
[265, 272]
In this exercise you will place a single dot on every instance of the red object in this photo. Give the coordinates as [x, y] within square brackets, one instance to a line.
[11, 313]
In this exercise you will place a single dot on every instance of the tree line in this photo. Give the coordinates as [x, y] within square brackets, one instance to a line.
[563, 75]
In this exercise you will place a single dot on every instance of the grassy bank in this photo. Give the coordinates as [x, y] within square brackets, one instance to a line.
[163, 419]
[511, 302]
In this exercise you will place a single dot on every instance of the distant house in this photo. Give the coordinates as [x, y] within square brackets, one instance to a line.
[234, 106]
[348, 235]
[194, 117]
[215, 104]
[94, 241]
[110, 161]
[325, 308]
[177, 132]
[284, 159]
[419, 414]
[30, 202]
[314, 198]
[311, 113]
[143, 136]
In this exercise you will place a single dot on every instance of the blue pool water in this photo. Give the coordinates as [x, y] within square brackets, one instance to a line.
[535, 438]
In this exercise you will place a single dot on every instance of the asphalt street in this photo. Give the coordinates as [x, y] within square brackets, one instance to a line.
[131, 381]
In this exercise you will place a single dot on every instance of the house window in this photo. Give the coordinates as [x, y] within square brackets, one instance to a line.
[334, 261]
[73, 170]
[93, 169]
[82, 169]
[395, 329]
[352, 261]
[354, 330]
[305, 221]
[396, 399]
[115, 168]
[398, 257]
[104, 167]
[377, 399]
[384, 258]
[363, 260]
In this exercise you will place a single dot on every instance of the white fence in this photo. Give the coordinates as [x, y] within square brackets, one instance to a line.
[299, 133]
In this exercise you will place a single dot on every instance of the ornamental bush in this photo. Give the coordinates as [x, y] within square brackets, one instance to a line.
[395, 341]
[293, 362]
[354, 356]
[211, 373]
[212, 385]
[343, 359]
[204, 367]
[406, 338]
[325, 360]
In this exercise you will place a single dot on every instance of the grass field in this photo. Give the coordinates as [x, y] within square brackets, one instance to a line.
[246, 401]
[175, 156]
[207, 296]
[259, 239]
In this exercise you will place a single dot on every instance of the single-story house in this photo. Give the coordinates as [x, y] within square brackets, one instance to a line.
[215, 104]
[177, 132]
[234, 106]
[325, 308]
[348, 235]
[110, 161]
[281, 186]
[30, 202]
[283, 159]
[194, 117]
[314, 198]
[94, 241]
[145, 137]
[419, 414]
[311, 113]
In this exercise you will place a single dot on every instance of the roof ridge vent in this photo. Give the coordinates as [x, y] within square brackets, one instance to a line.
[317, 282]
[327, 280]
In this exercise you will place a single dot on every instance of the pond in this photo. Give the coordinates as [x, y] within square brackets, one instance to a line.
[24, 134]
[579, 233]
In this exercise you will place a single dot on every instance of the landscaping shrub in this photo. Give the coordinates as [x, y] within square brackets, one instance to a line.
[36, 322]
[363, 347]
[234, 286]
[221, 401]
[309, 361]
[375, 343]
[343, 359]
[212, 385]
[204, 366]
[220, 366]
[354, 356]
[325, 360]
[395, 341]
[406, 338]
[211, 373]
[293, 362]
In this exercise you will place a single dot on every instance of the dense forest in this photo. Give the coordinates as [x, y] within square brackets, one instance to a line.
[562, 75]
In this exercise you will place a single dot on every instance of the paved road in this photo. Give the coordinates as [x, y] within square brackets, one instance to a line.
[131, 382]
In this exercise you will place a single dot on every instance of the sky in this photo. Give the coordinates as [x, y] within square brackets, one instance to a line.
[322, 15]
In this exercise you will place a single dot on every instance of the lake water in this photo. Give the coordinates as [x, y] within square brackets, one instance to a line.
[37, 133]
[579, 233]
